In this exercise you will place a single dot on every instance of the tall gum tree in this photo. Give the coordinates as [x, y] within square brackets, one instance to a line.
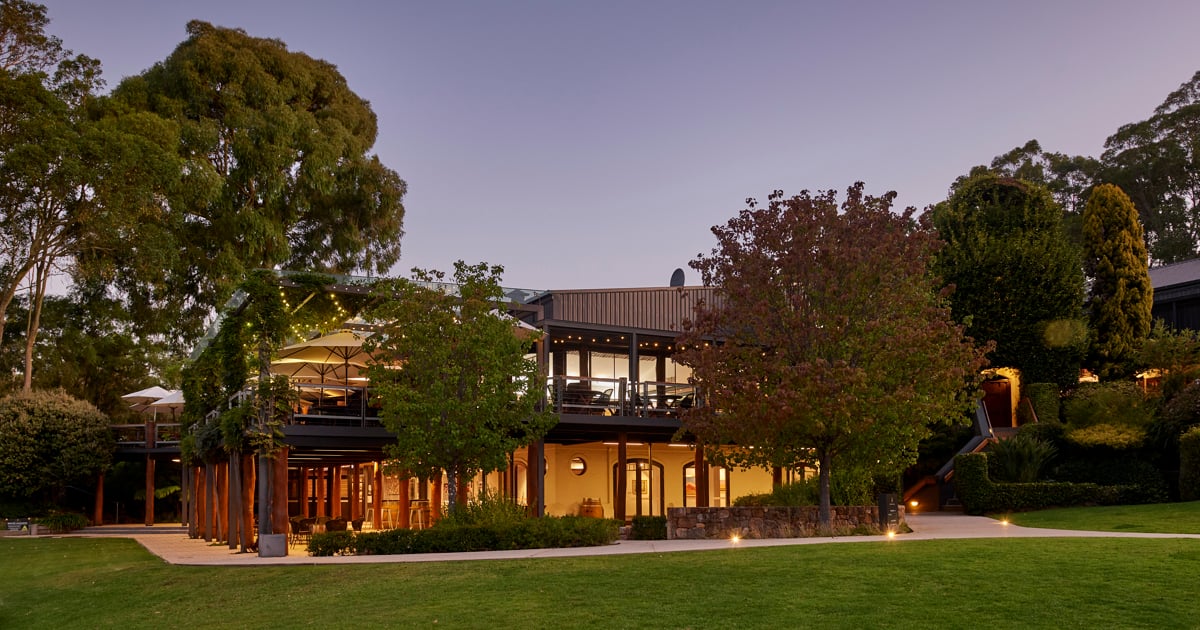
[829, 341]
[1120, 297]
[277, 169]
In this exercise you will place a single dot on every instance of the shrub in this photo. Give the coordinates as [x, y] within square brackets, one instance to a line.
[47, 441]
[331, 544]
[648, 528]
[980, 494]
[795, 494]
[1189, 465]
[529, 533]
[65, 522]
[1115, 403]
[1020, 459]
[1117, 470]
[489, 509]
[1114, 436]
[1044, 398]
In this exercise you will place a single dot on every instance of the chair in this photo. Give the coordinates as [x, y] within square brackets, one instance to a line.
[357, 524]
[335, 525]
[301, 531]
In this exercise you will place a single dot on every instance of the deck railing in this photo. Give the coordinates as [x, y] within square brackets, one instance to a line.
[619, 397]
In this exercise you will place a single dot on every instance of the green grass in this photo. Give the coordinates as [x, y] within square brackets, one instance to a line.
[1171, 518]
[1000, 583]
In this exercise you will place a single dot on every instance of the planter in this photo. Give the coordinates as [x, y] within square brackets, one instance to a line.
[272, 546]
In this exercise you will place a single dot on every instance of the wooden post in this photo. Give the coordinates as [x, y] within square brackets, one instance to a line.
[701, 477]
[210, 507]
[355, 492]
[149, 513]
[776, 476]
[279, 513]
[405, 506]
[619, 491]
[335, 494]
[377, 499]
[435, 501]
[201, 500]
[98, 507]
[319, 473]
[303, 492]
[223, 501]
[248, 479]
[233, 501]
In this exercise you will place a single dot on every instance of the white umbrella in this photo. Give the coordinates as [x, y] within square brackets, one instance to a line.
[340, 347]
[299, 369]
[141, 399]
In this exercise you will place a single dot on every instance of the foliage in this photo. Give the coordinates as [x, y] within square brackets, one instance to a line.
[1120, 296]
[1114, 402]
[528, 533]
[1175, 353]
[1157, 163]
[1115, 470]
[62, 523]
[979, 494]
[1189, 465]
[278, 169]
[467, 393]
[1020, 459]
[648, 528]
[49, 440]
[1068, 178]
[795, 494]
[489, 508]
[1116, 436]
[77, 181]
[1045, 399]
[1017, 278]
[833, 342]
[1177, 415]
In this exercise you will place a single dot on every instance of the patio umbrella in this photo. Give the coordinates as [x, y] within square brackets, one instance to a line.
[340, 347]
[171, 402]
[140, 399]
[299, 369]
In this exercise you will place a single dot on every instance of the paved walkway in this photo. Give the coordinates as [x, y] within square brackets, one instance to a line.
[172, 544]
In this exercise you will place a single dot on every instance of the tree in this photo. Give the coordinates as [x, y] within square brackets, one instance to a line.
[277, 171]
[76, 181]
[1017, 279]
[466, 395]
[1157, 163]
[1120, 296]
[49, 440]
[1068, 178]
[832, 341]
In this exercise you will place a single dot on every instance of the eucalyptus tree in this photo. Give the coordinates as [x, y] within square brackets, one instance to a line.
[277, 169]
[834, 344]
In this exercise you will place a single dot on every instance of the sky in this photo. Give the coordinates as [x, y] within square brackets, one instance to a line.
[595, 144]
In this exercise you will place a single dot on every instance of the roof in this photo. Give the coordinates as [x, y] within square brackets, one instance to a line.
[1174, 274]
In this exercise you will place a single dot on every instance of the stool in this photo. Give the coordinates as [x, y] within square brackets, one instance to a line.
[416, 515]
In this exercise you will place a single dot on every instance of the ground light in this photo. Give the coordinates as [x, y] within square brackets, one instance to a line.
[891, 534]
[735, 539]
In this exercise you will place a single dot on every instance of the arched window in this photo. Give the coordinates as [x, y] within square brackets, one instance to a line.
[643, 487]
[718, 483]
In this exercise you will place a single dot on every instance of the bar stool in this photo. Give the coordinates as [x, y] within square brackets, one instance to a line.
[416, 514]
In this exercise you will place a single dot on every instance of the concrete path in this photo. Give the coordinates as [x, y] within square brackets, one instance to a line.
[172, 544]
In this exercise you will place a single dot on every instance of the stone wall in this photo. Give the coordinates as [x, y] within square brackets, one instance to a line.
[766, 522]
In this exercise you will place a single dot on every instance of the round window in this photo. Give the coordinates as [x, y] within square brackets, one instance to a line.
[578, 466]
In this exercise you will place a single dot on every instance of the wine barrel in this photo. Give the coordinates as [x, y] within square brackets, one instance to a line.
[592, 508]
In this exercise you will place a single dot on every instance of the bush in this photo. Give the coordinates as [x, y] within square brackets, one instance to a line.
[648, 528]
[1189, 465]
[528, 533]
[489, 509]
[795, 494]
[1116, 470]
[981, 495]
[59, 523]
[1044, 398]
[1020, 459]
[49, 440]
[331, 544]
[1118, 403]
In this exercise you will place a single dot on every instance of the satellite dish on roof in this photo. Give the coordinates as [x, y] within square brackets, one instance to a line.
[677, 278]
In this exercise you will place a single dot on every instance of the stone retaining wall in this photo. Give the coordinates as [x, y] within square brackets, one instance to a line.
[766, 522]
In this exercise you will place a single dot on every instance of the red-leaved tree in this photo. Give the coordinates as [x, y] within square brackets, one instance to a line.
[829, 341]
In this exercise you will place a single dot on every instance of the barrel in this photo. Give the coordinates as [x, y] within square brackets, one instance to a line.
[592, 508]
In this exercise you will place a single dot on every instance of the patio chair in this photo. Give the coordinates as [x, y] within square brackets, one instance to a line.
[335, 525]
[357, 524]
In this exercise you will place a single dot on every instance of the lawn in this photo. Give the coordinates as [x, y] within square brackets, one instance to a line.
[1173, 518]
[1015, 582]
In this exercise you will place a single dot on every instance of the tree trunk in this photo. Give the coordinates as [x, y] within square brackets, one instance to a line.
[823, 459]
[41, 275]
[452, 488]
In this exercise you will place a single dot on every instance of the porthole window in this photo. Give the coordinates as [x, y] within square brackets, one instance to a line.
[578, 466]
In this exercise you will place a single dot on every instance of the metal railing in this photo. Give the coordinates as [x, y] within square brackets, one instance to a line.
[619, 397]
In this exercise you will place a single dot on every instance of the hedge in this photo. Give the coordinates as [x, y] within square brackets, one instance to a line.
[1045, 400]
[534, 533]
[1189, 465]
[980, 495]
[648, 528]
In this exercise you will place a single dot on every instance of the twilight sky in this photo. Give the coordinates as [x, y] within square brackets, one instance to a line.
[593, 144]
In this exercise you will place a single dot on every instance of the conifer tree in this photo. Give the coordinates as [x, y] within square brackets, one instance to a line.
[1121, 297]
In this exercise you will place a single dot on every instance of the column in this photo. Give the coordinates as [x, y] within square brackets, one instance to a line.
[98, 508]
[377, 499]
[319, 474]
[149, 490]
[279, 512]
[335, 494]
[355, 492]
[622, 483]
